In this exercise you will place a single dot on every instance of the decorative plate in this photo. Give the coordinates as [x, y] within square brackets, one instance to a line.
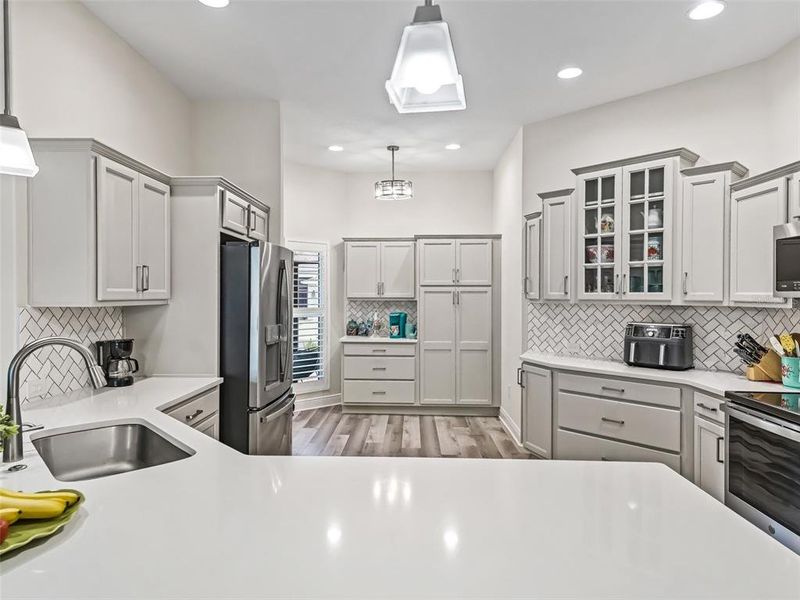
[22, 533]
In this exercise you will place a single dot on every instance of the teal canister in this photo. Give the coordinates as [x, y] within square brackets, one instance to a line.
[397, 324]
[790, 370]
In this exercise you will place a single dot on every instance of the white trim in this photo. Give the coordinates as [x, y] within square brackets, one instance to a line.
[302, 404]
[510, 426]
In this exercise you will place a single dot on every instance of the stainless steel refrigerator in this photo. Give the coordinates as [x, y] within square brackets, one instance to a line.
[256, 403]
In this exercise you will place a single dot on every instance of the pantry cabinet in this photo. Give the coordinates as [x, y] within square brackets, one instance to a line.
[455, 328]
[531, 261]
[457, 261]
[107, 219]
[556, 257]
[379, 268]
[755, 210]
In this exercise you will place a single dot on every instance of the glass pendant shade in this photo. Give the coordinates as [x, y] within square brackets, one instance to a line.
[425, 76]
[394, 189]
[16, 157]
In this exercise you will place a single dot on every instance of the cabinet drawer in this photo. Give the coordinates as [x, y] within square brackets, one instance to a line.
[379, 367]
[649, 425]
[709, 406]
[196, 409]
[623, 390]
[387, 349]
[576, 446]
[378, 392]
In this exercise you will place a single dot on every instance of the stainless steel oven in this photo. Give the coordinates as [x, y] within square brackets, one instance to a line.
[786, 249]
[762, 462]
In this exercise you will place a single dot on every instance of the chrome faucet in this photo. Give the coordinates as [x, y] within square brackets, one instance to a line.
[12, 447]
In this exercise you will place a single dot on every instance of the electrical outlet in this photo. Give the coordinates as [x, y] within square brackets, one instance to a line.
[572, 347]
[37, 388]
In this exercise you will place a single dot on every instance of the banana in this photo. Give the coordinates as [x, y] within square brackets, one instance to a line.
[69, 497]
[9, 515]
[45, 508]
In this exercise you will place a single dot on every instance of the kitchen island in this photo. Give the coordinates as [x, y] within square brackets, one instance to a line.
[223, 525]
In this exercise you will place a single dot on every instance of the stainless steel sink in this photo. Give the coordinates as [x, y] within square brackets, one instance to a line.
[76, 454]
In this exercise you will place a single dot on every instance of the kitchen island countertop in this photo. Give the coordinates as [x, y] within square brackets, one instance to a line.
[223, 525]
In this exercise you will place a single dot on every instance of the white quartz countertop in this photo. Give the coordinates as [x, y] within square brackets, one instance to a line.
[713, 382]
[367, 339]
[223, 525]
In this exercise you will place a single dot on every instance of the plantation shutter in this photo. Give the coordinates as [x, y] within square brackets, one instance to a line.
[310, 326]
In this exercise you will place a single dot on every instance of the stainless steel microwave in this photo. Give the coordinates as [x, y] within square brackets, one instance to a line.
[786, 249]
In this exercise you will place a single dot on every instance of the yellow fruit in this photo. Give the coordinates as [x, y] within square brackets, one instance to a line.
[46, 508]
[69, 497]
[9, 515]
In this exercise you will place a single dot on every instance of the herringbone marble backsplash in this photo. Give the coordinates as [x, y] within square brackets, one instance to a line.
[600, 328]
[63, 369]
[363, 310]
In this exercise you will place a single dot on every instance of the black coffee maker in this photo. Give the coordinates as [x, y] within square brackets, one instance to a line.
[115, 358]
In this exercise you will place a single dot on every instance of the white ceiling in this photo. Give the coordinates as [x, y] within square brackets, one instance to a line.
[327, 60]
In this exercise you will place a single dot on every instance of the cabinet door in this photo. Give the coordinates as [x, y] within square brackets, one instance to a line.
[258, 224]
[599, 240]
[754, 212]
[709, 460]
[117, 231]
[154, 241]
[209, 426]
[437, 262]
[794, 197]
[397, 270]
[235, 213]
[537, 411]
[532, 253]
[647, 192]
[703, 243]
[474, 262]
[437, 344]
[362, 266]
[556, 248]
[474, 345]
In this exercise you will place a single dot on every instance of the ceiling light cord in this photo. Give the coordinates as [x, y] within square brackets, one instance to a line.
[6, 61]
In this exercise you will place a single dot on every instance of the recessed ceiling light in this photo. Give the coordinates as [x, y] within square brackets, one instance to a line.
[335, 148]
[706, 10]
[215, 3]
[453, 147]
[570, 73]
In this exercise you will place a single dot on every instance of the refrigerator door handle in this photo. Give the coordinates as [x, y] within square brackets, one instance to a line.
[283, 324]
[287, 405]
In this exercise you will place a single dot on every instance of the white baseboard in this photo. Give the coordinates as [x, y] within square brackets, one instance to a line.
[317, 402]
[510, 426]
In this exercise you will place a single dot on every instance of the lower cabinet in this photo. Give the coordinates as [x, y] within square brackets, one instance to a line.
[380, 372]
[537, 410]
[200, 412]
[210, 426]
[709, 459]
[578, 446]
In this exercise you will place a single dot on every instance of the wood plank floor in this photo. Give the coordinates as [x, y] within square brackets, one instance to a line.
[328, 432]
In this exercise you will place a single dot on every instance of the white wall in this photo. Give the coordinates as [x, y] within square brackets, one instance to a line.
[240, 140]
[506, 211]
[749, 114]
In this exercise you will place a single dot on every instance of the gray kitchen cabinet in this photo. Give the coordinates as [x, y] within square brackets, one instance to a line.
[379, 268]
[709, 459]
[457, 261]
[199, 412]
[106, 217]
[556, 257]
[537, 410]
[242, 216]
[209, 426]
[532, 260]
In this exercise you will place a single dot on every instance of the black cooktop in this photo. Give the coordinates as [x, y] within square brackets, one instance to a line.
[783, 405]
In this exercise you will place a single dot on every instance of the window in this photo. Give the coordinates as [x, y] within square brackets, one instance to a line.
[310, 321]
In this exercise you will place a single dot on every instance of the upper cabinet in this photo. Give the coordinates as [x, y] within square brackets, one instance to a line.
[531, 262]
[379, 268]
[455, 261]
[99, 227]
[556, 257]
[243, 217]
[600, 234]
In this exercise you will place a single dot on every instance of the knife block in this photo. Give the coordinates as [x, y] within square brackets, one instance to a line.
[769, 369]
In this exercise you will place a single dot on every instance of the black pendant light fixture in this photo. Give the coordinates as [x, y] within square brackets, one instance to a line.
[16, 157]
[394, 189]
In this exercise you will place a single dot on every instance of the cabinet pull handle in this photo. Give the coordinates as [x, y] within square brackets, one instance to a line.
[453, 275]
[145, 277]
[616, 284]
[139, 280]
[604, 459]
[458, 298]
[379, 349]
[685, 277]
[378, 393]
[719, 453]
[612, 389]
[615, 421]
[525, 285]
[378, 368]
[520, 383]
[566, 284]
[454, 298]
[458, 275]
[624, 283]
[378, 289]
[196, 414]
[705, 406]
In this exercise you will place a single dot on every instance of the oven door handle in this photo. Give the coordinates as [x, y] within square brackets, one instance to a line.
[763, 423]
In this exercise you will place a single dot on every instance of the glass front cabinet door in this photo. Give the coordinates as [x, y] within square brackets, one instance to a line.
[647, 192]
[600, 223]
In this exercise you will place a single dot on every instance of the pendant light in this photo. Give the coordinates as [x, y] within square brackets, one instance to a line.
[16, 157]
[394, 189]
[425, 76]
